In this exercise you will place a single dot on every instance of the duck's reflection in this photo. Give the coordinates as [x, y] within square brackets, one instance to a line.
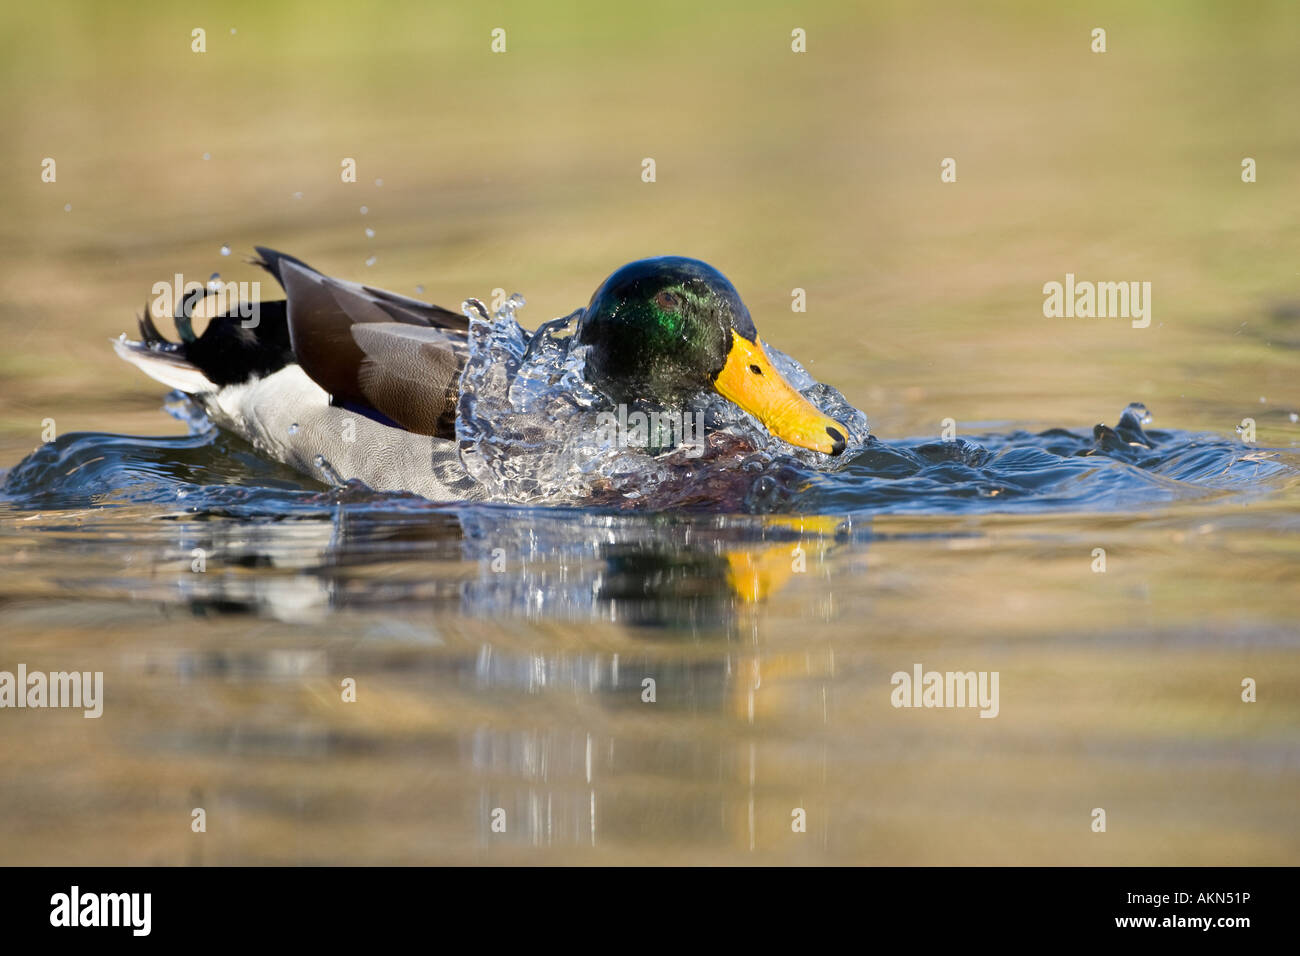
[569, 739]
[647, 775]
[674, 574]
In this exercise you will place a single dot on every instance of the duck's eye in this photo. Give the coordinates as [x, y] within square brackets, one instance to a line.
[756, 370]
[668, 301]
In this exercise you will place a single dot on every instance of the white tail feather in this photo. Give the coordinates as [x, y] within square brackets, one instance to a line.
[168, 368]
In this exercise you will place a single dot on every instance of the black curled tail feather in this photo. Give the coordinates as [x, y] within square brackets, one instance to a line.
[150, 335]
[234, 348]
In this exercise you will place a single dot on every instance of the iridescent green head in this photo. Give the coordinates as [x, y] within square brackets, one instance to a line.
[663, 329]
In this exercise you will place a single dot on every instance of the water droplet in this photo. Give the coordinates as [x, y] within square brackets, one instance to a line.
[1263, 400]
[1138, 411]
[508, 307]
[293, 429]
[371, 261]
[379, 182]
[420, 290]
[364, 210]
[474, 309]
[232, 31]
[214, 281]
[207, 155]
[1294, 418]
[297, 195]
[225, 250]
[327, 470]
[370, 233]
[67, 207]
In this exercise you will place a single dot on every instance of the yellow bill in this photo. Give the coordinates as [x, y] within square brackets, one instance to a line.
[751, 381]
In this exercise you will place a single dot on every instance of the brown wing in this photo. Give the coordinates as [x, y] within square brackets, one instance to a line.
[372, 349]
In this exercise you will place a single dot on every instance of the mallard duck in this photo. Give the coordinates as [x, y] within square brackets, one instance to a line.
[347, 381]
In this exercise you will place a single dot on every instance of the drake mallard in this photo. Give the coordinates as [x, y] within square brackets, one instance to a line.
[368, 380]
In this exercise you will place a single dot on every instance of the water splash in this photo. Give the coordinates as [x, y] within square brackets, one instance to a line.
[1115, 470]
[184, 409]
[529, 432]
[531, 429]
[327, 472]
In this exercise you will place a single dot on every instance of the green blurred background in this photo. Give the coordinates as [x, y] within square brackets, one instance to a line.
[819, 170]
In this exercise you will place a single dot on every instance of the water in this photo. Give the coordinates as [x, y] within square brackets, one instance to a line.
[639, 655]
[529, 431]
[502, 654]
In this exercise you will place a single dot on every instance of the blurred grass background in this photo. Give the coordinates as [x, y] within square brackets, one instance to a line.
[818, 170]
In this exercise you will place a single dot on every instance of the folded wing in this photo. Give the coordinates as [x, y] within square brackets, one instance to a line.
[374, 351]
